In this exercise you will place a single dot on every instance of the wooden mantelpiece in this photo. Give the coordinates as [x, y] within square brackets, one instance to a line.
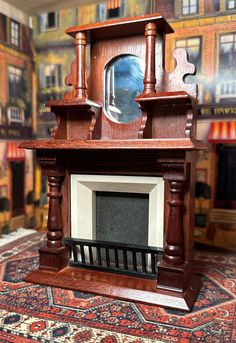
[98, 133]
[137, 144]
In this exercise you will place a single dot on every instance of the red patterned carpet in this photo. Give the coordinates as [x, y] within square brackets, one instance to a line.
[33, 313]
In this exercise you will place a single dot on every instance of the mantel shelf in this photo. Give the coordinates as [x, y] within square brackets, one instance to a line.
[72, 102]
[137, 144]
[166, 97]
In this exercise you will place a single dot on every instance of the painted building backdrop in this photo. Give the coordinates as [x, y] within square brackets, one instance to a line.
[207, 29]
[17, 120]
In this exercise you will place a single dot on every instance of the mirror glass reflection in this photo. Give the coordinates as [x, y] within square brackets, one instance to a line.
[124, 82]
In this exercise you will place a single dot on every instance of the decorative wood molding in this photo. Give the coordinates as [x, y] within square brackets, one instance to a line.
[175, 81]
[70, 80]
[144, 118]
[189, 124]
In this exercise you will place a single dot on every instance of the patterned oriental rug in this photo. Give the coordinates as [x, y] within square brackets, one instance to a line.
[33, 313]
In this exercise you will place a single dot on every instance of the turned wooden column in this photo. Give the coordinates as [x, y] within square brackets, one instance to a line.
[174, 236]
[173, 271]
[149, 76]
[54, 256]
[54, 225]
[80, 43]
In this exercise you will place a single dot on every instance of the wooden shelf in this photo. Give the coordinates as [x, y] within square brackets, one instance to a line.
[72, 102]
[145, 144]
[120, 28]
[166, 97]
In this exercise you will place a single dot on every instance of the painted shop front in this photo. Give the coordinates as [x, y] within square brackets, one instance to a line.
[16, 184]
[17, 121]
[217, 166]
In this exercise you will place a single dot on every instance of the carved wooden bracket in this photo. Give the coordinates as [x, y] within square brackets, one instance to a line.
[175, 81]
[189, 124]
[70, 80]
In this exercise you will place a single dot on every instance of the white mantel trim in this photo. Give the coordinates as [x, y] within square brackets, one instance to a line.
[83, 202]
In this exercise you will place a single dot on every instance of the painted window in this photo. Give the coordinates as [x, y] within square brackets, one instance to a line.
[211, 6]
[50, 75]
[227, 53]
[48, 21]
[231, 4]
[3, 28]
[110, 10]
[15, 81]
[15, 115]
[189, 7]
[15, 33]
[193, 47]
[226, 85]
[1, 115]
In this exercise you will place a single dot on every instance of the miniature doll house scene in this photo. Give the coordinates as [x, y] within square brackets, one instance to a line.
[117, 180]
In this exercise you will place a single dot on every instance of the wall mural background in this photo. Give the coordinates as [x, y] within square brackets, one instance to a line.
[34, 63]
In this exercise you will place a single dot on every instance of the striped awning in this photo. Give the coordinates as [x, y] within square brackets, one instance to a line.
[13, 153]
[113, 4]
[222, 132]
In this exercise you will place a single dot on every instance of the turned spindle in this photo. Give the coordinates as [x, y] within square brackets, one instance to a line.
[81, 88]
[54, 224]
[149, 76]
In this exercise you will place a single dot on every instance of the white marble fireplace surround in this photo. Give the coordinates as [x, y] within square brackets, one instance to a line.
[83, 202]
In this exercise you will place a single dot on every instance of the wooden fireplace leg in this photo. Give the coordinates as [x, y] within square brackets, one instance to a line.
[54, 256]
[174, 272]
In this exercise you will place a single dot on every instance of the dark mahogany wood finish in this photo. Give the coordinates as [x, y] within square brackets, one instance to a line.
[160, 142]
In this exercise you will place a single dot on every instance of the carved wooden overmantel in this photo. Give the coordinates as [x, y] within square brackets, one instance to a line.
[160, 140]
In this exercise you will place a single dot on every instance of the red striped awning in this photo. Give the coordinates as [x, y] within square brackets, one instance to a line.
[222, 132]
[113, 4]
[13, 153]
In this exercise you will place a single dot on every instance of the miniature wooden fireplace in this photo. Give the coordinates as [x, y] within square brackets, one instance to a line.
[102, 131]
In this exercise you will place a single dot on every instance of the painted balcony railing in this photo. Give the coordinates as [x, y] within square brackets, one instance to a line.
[226, 90]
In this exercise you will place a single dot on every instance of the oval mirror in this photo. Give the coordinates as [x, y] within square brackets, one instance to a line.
[123, 83]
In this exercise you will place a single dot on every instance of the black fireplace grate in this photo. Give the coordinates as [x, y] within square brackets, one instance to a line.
[114, 257]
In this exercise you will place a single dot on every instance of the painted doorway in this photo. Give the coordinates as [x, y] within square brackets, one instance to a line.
[18, 186]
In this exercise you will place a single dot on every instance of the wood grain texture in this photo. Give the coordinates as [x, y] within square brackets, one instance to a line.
[124, 27]
[118, 286]
[80, 44]
[147, 144]
[174, 234]
[54, 213]
[150, 67]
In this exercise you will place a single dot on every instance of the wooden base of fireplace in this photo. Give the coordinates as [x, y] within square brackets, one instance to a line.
[128, 288]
